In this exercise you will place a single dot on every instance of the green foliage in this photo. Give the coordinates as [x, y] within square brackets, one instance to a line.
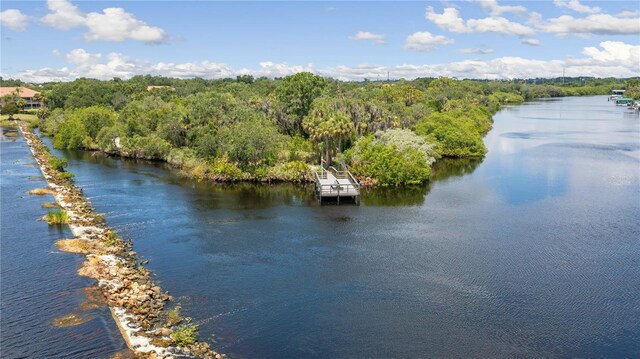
[328, 126]
[173, 316]
[299, 149]
[250, 141]
[57, 163]
[456, 134]
[185, 334]
[66, 176]
[269, 129]
[296, 94]
[388, 164]
[293, 171]
[507, 98]
[9, 109]
[71, 134]
[633, 92]
[207, 145]
[149, 147]
[223, 169]
[58, 216]
[407, 140]
[112, 239]
[108, 138]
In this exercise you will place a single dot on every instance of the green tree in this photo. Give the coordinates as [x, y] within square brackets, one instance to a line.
[328, 127]
[10, 109]
[252, 141]
[295, 95]
[387, 164]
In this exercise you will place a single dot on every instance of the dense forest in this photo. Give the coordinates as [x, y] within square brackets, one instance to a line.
[386, 133]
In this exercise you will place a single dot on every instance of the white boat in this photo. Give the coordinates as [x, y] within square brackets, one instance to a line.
[616, 94]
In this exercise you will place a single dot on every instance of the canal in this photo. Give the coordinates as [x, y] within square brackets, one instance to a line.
[532, 252]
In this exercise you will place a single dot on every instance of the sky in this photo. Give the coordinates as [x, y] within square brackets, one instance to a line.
[60, 40]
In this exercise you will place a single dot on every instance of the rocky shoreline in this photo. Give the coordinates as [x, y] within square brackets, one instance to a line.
[138, 305]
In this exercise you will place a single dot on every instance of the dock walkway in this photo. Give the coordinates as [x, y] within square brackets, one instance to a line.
[336, 184]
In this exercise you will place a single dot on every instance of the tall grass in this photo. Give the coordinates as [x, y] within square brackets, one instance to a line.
[58, 216]
[185, 334]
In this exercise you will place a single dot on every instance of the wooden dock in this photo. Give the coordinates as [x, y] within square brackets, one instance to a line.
[334, 184]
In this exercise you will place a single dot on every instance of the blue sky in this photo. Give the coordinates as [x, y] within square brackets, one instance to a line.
[62, 40]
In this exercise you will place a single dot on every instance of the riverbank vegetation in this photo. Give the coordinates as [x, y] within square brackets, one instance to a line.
[58, 216]
[125, 285]
[387, 133]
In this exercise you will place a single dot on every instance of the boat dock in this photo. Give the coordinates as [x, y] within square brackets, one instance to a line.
[334, 184]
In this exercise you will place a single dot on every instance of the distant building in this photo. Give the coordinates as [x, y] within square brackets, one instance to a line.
[151, 88]
[26, 94]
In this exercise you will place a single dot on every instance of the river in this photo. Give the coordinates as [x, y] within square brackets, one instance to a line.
[532, 252]
[46, 309]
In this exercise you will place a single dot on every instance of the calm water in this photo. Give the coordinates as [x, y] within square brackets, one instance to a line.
[533, 252]
[39, 284]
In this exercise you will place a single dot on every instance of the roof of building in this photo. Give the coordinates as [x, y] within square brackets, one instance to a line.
[23, 91]
[149, 88]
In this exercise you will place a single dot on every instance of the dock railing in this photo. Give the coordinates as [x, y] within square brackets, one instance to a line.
[345, 175]
[336, 184]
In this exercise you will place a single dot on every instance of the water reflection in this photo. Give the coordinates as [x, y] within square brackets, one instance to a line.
[247, 195]
[447, 168]
[271, 274]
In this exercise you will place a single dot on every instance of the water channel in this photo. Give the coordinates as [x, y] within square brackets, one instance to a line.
[532, 252]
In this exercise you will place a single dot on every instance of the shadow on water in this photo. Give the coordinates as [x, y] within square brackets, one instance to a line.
[444, 170]
[248, 195]
[10, 134]
[447, 168]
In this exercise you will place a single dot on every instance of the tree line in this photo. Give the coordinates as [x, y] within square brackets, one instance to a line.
[386, 133]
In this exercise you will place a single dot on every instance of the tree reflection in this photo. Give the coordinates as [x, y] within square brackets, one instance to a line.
[443, 170]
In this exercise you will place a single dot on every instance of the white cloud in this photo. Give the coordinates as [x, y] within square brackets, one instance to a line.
[499, 25]
[628, 13]
[476, 51]
[497, 10]
[113, 24]
[82, 57]
[425, 41]
[535, 18]
[601, 24]
[614, 52]
[14, 20]
[63, 15]
[367, 36]
[531, 42]
[575, 5]
[450, 20]
[610, 59]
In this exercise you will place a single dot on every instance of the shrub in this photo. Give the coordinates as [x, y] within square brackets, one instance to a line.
[10, 109]
[112, 239]
[456, 134]
[66, 176]
[293, 171]
[107, 139]
[185, 334]
[149, 147]
[250, 141]
[173, 316]
[388, 164]
[57, 163]
[71, 134]
[223, 169]
[58, 216]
